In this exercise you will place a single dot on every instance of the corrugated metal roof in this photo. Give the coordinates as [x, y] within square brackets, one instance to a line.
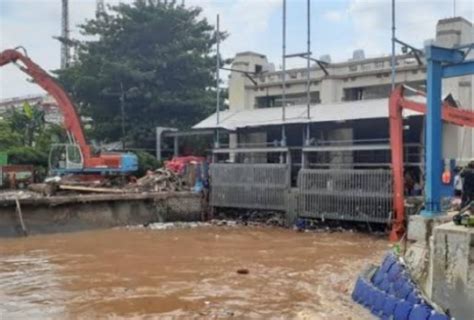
[363, 109]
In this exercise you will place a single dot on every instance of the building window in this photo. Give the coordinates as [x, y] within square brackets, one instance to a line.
[366, 67]
[353, 67]
[293, 75]
[353, 94]
[379, 64]
[397, 63]
[258, 68]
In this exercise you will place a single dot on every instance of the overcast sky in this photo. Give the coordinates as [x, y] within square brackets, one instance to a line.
[338, 28]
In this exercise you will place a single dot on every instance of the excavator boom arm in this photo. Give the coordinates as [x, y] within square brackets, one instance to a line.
[397, 103]
[72, 122]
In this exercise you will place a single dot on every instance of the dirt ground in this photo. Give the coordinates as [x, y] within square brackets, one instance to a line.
[205, 272]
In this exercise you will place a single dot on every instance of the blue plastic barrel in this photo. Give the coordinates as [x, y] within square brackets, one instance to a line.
[406, 289]
[420, 312]
[357, 290]
[395, 271]
[370, 296]
[438, 316]
[414, 297]
[385, 285]
[379, 302]
[390, 305]
[402, 310]
[378, 277]
[389, 260]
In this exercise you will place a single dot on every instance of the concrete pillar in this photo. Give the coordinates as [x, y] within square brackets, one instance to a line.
[330, 91]
[176, 146]
[241, 92]
[233, 143]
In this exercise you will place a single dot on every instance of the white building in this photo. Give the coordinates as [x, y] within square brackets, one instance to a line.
[52, 114]
[255, 98]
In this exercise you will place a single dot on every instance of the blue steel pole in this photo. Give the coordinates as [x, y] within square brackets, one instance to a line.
[434, 140]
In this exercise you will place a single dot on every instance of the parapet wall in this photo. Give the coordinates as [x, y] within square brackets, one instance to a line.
[85, 212]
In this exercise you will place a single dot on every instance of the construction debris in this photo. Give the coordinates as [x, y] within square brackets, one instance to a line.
[160, 180]
[45, 189]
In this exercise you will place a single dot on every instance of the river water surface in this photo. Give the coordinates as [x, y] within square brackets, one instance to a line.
[184, 274]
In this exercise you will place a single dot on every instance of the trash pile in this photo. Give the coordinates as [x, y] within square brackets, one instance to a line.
[160, 180]
[252, 217]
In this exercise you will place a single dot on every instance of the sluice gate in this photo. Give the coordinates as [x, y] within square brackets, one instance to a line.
[345, 194]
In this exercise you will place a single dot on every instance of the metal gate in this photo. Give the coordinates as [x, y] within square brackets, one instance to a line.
[342, 194]
[251, 186]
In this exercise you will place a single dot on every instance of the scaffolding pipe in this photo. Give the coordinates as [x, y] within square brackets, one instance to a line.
[308, 68]
[308, 61]
[283, 79]
[218, 91]
[393, 45]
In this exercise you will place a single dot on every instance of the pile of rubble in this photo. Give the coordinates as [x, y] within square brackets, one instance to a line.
[160, 180]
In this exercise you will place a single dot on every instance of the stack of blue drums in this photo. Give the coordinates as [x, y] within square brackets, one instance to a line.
[390, 294]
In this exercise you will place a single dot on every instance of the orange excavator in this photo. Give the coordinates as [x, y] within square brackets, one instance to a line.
[74, 157]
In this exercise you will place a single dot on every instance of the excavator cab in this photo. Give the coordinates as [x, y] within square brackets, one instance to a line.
[65, 158]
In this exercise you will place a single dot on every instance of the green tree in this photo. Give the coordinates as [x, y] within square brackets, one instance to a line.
[152, 59]
[26, 138]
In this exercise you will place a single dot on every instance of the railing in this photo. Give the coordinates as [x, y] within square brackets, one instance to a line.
[251, 186]
[345, 194]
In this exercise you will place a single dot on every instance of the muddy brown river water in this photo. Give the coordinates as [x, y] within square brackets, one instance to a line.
[184, 274]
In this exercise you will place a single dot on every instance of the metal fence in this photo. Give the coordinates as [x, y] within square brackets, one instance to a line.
[343, 194]
[251, 186]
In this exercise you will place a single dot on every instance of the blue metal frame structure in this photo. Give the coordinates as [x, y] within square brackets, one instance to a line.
[441, 63]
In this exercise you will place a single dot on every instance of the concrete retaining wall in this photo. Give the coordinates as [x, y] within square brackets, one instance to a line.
[440, 258]
[453, 269]
[49, 215]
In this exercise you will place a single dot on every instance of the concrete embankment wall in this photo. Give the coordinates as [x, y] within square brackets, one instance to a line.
[84, 212]
[440, 257]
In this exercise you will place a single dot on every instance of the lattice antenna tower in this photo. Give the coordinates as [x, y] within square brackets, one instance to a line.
[100, 8]
[65, 50]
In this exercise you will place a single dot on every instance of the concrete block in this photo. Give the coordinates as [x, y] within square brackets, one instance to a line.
[421, 228]
[453, 269]
[417, 261]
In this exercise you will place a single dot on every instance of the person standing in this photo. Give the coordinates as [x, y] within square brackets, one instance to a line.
[457, 182]
[468, 184]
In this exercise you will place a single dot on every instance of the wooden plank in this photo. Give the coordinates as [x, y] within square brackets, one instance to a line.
[90, 189]
[20, 217]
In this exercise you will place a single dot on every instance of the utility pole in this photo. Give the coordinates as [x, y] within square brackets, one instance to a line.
[65, 52]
